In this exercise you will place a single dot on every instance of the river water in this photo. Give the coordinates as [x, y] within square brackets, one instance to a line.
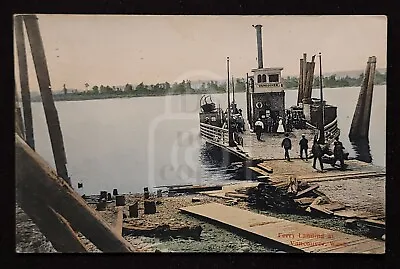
[131, 143]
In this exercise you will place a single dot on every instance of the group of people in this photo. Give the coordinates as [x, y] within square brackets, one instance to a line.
[316, 150]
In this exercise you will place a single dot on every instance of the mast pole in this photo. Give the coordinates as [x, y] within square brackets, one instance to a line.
[233, 90]
[230, 135]
[322, 133]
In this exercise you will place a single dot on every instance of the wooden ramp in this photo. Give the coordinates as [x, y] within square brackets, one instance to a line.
[289, 235]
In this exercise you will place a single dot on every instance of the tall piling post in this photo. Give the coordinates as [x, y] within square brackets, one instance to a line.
[357, 130]
[24, 81]
[368, 99]
[304, 80]
[42, 73]
[300, 86]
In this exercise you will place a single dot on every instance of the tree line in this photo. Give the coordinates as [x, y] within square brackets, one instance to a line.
[333, 81]
[185, 87]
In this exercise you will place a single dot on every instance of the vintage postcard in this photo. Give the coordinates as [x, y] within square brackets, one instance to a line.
[261, 134]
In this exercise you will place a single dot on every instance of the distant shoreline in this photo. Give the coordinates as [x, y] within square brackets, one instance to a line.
[86, 97]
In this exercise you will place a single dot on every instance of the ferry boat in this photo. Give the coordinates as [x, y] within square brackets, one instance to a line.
[265, 101]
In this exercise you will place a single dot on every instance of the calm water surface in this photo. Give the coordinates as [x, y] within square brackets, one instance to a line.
[150, 141]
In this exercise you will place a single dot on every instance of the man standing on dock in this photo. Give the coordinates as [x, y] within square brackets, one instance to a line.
[303, 146]
[338, 153]
[287, 145]
[317, 153]
[258, 127]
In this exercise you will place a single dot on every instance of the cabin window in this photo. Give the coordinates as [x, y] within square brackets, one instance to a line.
[273, 78]
[264, 78]
[258, 78]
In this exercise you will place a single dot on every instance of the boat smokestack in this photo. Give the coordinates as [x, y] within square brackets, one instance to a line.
[259, 45]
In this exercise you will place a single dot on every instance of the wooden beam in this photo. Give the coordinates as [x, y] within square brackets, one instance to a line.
[53, 226]
[33, 174]
[23, 79]
[42, 73]
[19, 125]
[311, 188]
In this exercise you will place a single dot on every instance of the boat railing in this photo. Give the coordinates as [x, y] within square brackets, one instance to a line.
[331, 131]
[214, 133]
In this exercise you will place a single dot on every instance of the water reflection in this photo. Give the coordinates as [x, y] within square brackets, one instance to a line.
[362, 149]
[211, 155]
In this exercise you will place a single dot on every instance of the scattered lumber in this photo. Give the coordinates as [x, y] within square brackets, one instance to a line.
[267, 196]
[237, 195]
[194, 189]
[311, 188]
[317, 206]
[173, 186]
[304, 200]
[334, 206]
[266, 167]
[164, 230]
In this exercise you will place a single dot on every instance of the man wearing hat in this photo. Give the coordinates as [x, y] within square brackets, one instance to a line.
[303, 146]
[287, 145]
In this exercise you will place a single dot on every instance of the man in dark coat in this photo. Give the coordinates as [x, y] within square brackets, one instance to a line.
[303, 146]
[338, 153]
[258, 128]
[317, 153]
[287, 145]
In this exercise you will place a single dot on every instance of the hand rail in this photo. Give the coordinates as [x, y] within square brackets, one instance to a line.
[214, 133]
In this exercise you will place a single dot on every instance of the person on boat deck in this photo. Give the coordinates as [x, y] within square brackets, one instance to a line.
[317, 153]
[303, 146]
[280, 129]
[258, 127]
[241, 121]
[338, 153]
[287, 145]
[269, 124]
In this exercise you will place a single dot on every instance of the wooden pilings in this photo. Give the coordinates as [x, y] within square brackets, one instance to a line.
[24, 81]
[56, 228]
[309, 78]
[42, 73]
[301, 84]
[119, 200]
[306, 79]
[134, 210]
[37, 182]
[361, 118]
[149, 207]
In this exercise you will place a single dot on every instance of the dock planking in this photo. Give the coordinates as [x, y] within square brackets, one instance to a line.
[290, 235]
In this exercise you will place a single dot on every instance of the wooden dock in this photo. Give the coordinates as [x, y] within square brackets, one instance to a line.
[295, 237]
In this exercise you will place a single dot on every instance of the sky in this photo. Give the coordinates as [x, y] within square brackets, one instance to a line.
[120, 49]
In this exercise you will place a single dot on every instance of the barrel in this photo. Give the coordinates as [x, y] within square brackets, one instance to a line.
[134, 210]
[119, 200]
[101, 206]
[149, 207]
